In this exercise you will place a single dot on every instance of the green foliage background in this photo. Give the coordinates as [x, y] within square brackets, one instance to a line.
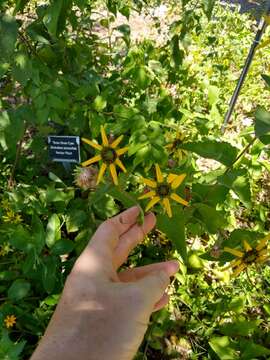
[66, 67]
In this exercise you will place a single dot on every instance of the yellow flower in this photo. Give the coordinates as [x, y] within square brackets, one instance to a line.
[10, 320]
[12, 217]
[5, 249]
[109, 155]
[173, 147]
[163, 190]
[5, 204]
[249, 256]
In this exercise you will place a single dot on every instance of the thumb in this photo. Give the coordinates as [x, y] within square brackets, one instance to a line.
[153, 287]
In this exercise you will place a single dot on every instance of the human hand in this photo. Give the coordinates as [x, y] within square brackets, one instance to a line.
[103, 314]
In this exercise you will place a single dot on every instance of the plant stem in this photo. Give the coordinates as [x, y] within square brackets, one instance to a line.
[241, 154]
[11, 181]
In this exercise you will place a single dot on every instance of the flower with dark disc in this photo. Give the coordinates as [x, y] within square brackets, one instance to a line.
[257, 255]
[109, 155]
[163, 190]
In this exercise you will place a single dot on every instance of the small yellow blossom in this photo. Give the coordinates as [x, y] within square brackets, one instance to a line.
[109, 155]
[163, 190]
[5, 204]
[10, 321]
[5, 249]
[174, 145]
[12, 217]
[249, 256]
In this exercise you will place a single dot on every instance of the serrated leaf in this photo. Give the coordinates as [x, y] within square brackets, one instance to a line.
[213, 219]
[219, 151]
[174, 228]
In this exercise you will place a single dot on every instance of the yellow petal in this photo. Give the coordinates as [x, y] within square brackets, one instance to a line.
[121, 151]
[120, 164]
[152, 203]
[233, 264]
[92, 160]
[117, 142]
[147, 195]
[177, 198]
[149, 182]
[178, 181]
[113, 174]
[247, 247]
[105, 141]
[263, 243]
[92, 143]
[263, 252]
[159, 174]
[171, 177]
[234, 252]
[167, 205]
[239, 269]
[101, 172]
[262, 259]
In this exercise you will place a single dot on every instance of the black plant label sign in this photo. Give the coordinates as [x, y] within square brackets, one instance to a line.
[64, 148]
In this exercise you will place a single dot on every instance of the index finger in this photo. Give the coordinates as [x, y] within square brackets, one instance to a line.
[109, 232]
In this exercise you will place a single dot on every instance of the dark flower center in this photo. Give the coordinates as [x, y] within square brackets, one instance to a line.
[108, 155]
[163, 190]
[250, 256]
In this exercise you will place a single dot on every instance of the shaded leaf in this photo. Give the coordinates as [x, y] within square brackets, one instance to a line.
[18, 290]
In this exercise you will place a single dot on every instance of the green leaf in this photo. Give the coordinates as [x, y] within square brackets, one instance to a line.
[250, 350]
[208, 7]
[53, 231]
[262, 125]
[99, 103]
[49, 273]
[223, 347]
[22, 69]
[10, 350]
[240, 328]
[266, 78]
[38, 233]
[213, 219]
[8, 38]
[18, 290]
[62, 247]
[75, 219]
[20, 5]
[124, 197]
[177, 53]
[210, 194]
[238, 181]
[19, 238]
[51, 17]
[219, 151]
[141, 77]
[174, 228]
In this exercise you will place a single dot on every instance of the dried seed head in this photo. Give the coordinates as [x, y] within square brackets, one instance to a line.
[86, 177]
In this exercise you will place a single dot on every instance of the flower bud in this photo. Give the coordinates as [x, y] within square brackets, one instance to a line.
[86, 177]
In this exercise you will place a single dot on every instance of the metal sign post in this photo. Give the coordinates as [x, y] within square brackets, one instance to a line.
[258, 37]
